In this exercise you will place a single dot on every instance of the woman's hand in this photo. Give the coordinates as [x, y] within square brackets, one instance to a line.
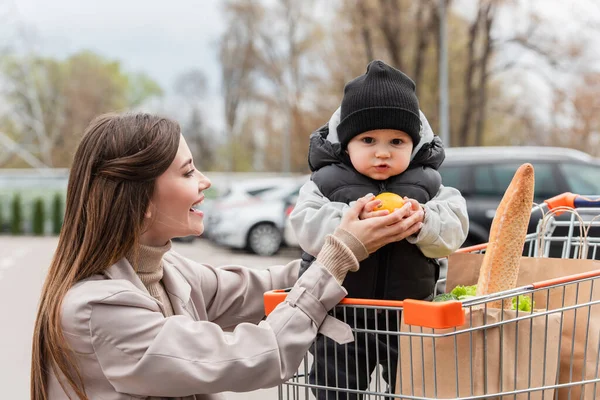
[375, 233]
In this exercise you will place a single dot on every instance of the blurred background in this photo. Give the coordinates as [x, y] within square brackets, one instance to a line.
[249, 80]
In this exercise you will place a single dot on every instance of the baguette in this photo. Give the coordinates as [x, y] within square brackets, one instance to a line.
[500, 267]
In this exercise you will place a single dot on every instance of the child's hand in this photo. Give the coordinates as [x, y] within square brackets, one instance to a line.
[375, 233]
[415, 208]
[369, 209]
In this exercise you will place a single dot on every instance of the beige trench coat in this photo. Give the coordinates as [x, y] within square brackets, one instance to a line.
[126, 348]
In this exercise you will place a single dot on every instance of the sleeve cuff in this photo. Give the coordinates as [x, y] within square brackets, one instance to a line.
[337, 258]
[358, 249]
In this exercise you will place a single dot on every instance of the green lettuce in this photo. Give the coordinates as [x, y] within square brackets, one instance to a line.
[466, 292]
[525, 303]
[445, 297]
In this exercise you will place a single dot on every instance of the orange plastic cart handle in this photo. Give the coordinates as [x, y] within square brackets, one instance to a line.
[566, 199]
[473, 249]
[273, 298]
[436, 315]
[567, 279]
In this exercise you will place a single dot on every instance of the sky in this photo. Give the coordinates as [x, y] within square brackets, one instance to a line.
[162, 39]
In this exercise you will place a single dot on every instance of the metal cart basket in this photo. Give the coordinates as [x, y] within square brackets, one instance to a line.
[467, 349]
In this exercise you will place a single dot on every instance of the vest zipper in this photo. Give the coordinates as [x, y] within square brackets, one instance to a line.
[381, 273]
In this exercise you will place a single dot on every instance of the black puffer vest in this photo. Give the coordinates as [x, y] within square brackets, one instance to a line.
[398, 270]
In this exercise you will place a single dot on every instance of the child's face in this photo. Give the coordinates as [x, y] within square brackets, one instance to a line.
[381, 153]
[176, 191]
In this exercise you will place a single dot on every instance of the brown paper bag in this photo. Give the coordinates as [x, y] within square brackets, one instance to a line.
[580, 334]
[514, 356]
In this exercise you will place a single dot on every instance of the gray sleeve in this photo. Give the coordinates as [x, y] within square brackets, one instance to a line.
[314, 217]
[446, 224]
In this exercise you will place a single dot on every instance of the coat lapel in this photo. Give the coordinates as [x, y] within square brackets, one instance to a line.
[179, 290]
[177, 287]
[122, 269]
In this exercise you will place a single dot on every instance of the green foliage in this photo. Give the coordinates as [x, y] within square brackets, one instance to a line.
[444, 297]
[141, 87]
[68, 93]
[57, 213]
[525, 303]
[1, 218]
[458, 293]
[16, 223]
[38, 217]
[464, 292]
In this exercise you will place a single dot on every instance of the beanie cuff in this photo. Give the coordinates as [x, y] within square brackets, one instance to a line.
[373, 118]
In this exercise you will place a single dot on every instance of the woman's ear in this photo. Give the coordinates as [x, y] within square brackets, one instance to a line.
[148, 213]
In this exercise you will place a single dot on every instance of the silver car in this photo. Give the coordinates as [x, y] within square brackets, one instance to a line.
[233, 195]
[256, 223]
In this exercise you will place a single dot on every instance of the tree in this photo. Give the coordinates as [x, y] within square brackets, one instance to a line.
[480, 49]
[50, 101]
[16, 221]
[281, 66]
[576, 121]
[57, 213]
[191, 88]
[401, 33]
[141, 87]
[35, 100]
[97, 85]
[270, 58]
[285, 73]
[38, 220]
[238, 59]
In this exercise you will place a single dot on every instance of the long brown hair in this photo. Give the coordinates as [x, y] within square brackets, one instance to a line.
[110, 185]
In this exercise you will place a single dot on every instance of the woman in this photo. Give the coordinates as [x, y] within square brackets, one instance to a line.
[121, 315]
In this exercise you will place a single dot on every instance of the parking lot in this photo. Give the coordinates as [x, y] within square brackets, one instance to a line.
[23, 265]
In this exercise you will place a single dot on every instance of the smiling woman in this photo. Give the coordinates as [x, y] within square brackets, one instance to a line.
[177, 193]
[121, 315]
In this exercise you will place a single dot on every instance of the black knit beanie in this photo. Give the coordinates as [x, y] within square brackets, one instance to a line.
[382, 98]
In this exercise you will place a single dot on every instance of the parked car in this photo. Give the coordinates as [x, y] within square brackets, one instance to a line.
[255, 224]
[482, 175]
[234, 194]
[289, 236]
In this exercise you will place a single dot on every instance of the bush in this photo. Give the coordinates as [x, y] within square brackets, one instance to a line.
[38, 217]
[1, 219]
[16, 223]
[57, 213]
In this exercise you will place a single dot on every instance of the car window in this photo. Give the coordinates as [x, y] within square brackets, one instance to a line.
[256, 192]
[225, 193]
[454, 176]
[582, 179]
[492, 180]
[280, 193]
[546, 184]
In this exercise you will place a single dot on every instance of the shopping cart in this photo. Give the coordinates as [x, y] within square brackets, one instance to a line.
[467, 350]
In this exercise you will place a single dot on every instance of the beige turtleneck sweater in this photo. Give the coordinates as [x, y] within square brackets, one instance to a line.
[150, 271]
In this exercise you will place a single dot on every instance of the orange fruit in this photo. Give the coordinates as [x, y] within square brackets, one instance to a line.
[389, 201]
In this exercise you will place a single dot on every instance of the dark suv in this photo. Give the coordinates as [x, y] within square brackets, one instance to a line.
[482, 174]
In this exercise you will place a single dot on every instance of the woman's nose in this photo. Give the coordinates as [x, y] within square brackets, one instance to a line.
[204, 182]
